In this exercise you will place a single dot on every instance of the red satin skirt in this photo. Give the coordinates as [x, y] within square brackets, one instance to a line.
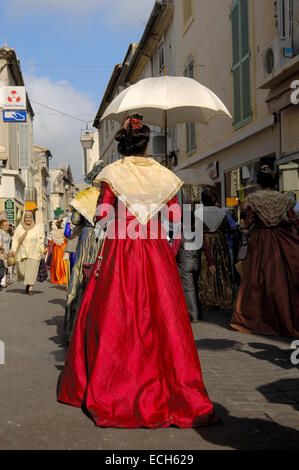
[132, 360]
[58, 268]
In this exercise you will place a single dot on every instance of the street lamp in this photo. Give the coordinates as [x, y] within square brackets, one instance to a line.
[87, 143]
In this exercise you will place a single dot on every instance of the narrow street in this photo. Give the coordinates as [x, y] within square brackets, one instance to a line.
[250, 379]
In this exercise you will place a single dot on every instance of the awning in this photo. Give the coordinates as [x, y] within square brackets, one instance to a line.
[288, 158]
[30, 206]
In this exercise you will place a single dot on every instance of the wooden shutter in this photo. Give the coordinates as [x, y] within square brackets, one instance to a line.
[190, 127]
[244, 33]
[241, 62]
[237, 94]
[24, 146]
[235, 34]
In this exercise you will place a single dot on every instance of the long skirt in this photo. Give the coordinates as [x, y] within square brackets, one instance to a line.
[58, 269]
[216, 291]
[268, 299]
[132, 360]
[86, 253]
[27, 270]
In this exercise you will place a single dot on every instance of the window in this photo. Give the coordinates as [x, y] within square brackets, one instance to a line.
[190, 127]
[241, 63]
[188, 14]
[161, 57]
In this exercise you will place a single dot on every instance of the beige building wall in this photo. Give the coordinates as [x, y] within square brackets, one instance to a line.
[13, 183]
[93, 154]
[41, 177]
[209, 39]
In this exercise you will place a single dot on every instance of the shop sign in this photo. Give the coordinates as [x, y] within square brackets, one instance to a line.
[9, 207]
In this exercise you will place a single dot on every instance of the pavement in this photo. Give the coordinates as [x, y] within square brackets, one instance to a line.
[249, 378]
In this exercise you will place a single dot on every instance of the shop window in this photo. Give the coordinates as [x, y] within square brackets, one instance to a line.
[242, 181]
[241, 63]
[289, 178]
[190, 127]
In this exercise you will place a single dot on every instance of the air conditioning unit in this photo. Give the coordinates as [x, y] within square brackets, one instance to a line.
[274, 57]
[271, 58]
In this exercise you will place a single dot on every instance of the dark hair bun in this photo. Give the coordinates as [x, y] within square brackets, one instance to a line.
[265, 180]
[133, 141]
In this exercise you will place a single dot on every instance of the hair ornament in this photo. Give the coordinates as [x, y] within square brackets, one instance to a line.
[133, 122]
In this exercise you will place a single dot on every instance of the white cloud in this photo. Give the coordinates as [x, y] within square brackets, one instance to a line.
[60, 134]
[125, 13]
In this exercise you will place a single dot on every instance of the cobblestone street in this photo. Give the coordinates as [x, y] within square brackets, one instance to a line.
[250, 379]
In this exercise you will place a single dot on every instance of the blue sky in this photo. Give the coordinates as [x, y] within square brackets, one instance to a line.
[75, 44]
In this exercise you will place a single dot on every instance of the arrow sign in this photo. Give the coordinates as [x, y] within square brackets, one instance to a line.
[14, 116]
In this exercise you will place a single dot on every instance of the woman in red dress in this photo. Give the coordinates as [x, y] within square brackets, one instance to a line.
[132, 361]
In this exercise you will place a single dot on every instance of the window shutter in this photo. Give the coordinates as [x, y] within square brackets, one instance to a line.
[24, 146]
[235, 34]
[237, 95]
[246, 96]
[244, 36]
[187, 137]
[192, 136]
[241, 62]
[190, 127]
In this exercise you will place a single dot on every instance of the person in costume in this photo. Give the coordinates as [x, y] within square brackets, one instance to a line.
[268, 299]
[132, 360]
[189, 263]
[83, 225]
[27, 248]
[5, 245]
[215, 291]
[58, 241]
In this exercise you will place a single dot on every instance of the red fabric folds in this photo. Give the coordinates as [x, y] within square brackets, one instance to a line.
[132, 361]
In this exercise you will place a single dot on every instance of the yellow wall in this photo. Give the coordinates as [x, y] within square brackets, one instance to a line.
[209, 38]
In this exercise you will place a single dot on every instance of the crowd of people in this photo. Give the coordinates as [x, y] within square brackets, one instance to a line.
[133, 290]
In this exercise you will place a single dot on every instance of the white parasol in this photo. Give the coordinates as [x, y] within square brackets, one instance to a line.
[167, 99]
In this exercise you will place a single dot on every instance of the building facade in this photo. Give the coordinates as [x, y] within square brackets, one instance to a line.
[61, 190]
[90, 156]
[226, 47]
[41, 171]
[16, 145]
[152, 56]
[246, 52]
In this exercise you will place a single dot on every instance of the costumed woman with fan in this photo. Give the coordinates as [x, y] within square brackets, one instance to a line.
[132, 360]
[83, 225]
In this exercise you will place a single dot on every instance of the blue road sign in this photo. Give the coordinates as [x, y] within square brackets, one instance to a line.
[14, 116]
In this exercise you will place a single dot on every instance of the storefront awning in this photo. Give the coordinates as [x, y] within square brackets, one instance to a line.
[30, 206]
